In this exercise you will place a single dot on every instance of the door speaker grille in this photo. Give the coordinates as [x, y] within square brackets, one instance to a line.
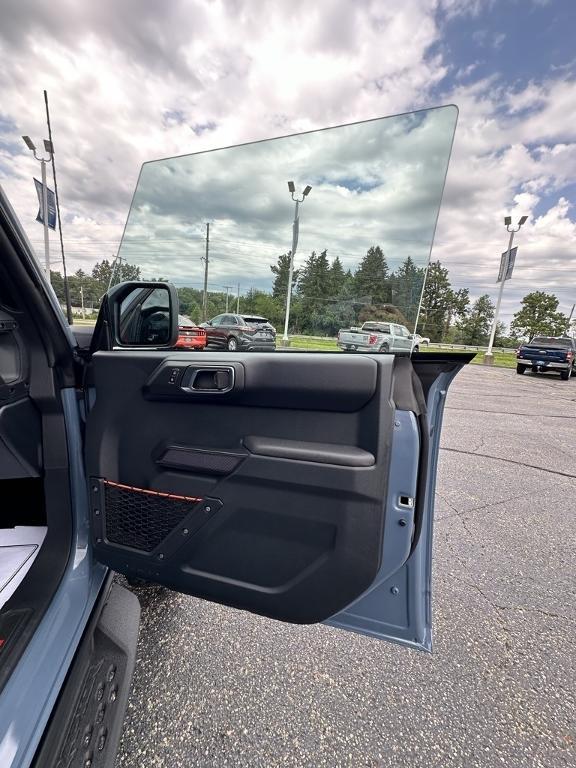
[140, 518]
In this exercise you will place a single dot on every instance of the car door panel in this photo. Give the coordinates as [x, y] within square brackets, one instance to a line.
[275, 497]
[285, 542]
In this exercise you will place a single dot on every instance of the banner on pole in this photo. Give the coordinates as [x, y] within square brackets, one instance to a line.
[51, 198]
[510, 267]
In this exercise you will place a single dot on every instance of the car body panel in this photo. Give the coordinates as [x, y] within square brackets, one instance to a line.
[24, 708]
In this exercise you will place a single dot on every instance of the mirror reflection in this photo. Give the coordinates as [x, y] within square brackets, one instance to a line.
[145, 317]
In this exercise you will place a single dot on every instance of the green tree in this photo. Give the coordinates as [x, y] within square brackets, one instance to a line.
[371, 279]
[57, 282]
[281, 270]
[539, 316]
[383, 312]
[191, 303]
[474, 327]
[406, 288]
[337, 278]
[119, 271]
[313, 291]
[258, 302]
[440, 303]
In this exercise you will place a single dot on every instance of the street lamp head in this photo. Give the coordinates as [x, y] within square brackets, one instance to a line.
[307, 190]
[291, 187]
[508, 220]
[48, 146]
[29, 143]
[523, 220]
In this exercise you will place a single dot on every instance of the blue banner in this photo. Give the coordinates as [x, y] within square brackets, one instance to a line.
[51, 199]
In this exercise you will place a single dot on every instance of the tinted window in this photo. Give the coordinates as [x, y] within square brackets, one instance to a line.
[380, 327]
[549, 341]
[356, 222]
[251, 321]
[158, 298]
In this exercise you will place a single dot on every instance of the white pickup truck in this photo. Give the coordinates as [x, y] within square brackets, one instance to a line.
[378, 337]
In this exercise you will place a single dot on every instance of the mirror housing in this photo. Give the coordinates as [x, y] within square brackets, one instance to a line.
[137, 314]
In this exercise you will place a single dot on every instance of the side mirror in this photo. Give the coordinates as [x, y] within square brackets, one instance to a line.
[138, 314]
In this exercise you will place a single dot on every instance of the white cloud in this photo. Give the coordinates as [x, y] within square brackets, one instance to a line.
[134, 81]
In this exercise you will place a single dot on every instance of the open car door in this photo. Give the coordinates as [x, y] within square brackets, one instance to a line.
[296, 485]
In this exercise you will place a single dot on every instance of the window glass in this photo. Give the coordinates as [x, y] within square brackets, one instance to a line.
[550, 341]
[254, 321]
[349, 212]
[157, 298]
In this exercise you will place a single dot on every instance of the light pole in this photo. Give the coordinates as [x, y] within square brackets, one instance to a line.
[489, 357]
[50, 150]
[295, 228]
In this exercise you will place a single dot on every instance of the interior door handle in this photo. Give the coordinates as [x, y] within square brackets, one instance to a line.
[206, 379]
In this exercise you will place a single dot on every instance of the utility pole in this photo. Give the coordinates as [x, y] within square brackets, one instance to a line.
[419, 310]
[295, 231]
[116, 263]
[489, 356]
[82, 301]
[571, 315]
[238, 300]
[45, 219]
[49, 149]
[228, 288]
[206, 260]
[66, 287]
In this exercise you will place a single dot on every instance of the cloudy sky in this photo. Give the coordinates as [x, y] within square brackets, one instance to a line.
[137, 80]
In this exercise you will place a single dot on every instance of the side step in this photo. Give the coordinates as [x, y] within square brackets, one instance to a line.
[85, 729]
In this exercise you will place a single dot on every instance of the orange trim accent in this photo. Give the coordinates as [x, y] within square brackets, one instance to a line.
[152, 493]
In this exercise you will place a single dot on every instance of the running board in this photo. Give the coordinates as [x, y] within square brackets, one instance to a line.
[86, 725]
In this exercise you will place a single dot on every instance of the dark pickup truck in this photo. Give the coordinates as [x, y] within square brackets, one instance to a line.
[548, 353]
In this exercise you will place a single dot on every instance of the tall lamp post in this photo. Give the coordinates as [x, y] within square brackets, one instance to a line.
[42, 160]
[489, 356]
[295, 228]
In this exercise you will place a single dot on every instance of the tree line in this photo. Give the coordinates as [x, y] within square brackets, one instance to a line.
[326, 297]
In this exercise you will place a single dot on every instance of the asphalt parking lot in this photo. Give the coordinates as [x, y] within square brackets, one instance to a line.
[218, 687]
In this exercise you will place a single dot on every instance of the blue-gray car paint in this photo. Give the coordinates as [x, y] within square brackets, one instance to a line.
[31, 692]
[401, 593]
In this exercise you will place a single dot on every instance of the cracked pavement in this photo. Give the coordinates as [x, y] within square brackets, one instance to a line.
[218, 687]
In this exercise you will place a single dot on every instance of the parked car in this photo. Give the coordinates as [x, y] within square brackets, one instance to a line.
[548, 353]
[378, 337]
[190, 335]
[240, 333]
